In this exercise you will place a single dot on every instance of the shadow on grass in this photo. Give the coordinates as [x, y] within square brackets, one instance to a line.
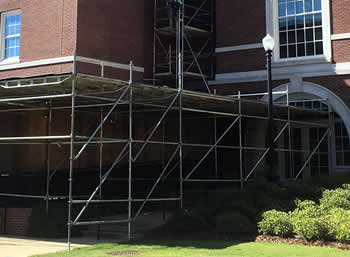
[199, 244]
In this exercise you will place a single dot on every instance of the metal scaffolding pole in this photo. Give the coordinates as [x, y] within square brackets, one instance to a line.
[100, 167]
[130, 156]
[240, 143]
[71, 155]
[312, 154]
[48, 161]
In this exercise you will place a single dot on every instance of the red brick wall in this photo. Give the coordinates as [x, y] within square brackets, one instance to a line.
[340, 16]
[340, 85]
[240, 22]
[111, 30]
[17, 221]
[48, 31]
[240, 61]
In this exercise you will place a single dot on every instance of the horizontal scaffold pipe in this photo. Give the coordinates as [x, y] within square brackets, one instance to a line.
[29, 98]
[23, 196]
[126, 200]
[34, 138]
[85, 223]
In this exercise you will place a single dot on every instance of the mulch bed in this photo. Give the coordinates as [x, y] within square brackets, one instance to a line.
[300, 241]
[124, 253]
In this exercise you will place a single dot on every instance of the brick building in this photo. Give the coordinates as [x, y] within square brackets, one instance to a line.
[45, 44]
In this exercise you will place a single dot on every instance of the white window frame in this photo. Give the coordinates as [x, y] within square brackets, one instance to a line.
[11, 60]
[272, 28]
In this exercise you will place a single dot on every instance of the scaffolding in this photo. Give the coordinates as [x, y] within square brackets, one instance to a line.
[105, 97]
[165, 102]
[184, 44]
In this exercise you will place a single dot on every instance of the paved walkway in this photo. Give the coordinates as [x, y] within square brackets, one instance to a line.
[19, 247]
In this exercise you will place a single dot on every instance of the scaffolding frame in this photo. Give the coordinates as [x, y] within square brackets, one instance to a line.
[129, 96]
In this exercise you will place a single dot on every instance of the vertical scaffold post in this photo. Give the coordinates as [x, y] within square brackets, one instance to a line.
[100, 168]
[215, 141]
[291, 173]
[180, 83]
[130, 154]
[48, 161]
[154, 40]
[240, 141]
[71, 155]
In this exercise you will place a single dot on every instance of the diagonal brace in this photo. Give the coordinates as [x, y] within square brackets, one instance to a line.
[103, 121]
[102, 181]
[312, 154]
[213, 147]
[265, 153]
[156, 126]
[198, 64]
[157, 182]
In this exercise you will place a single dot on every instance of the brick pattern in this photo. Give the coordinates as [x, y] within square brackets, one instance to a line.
[17, 221]
[341, 50]
[48, 31]
[340, 17]
[340, 85]
[240, 61]
[240, 22]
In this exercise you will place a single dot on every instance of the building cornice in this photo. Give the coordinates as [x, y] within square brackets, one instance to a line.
[280, 73]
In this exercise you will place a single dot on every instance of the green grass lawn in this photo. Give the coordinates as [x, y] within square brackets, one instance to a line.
[204, 249]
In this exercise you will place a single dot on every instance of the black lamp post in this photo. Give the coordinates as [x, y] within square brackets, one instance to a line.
[269, 44]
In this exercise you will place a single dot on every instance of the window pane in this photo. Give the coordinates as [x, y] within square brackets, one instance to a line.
[319, 48]
[301, 49]
[282, 10]
[300, 35]
[308, 5]
[283, 24]
[318, 34]
[299, 7]
[300, 21]
[283, 52]
[310, 49]
[291, 8]
[310, 35]
[17, 51]
[292, 51]
[291, 37]
[318, 19]
[309, 20]
[317, 5]
[283, 38]
[291, 23]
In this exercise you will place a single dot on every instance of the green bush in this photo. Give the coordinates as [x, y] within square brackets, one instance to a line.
[339, 221]
[309, 222]
[234, 223]
[337, 198]
[276, 223]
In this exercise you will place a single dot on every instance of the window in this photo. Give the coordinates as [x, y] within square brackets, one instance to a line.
[10, 35]
[300, 28]
[342, 144]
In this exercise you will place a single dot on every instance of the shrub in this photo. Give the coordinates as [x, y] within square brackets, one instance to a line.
[234, 223]
[337, 198]
[339, 221]
[276, 223]
[309, 222]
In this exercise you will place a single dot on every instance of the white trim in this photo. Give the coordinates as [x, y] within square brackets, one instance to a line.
[340, 36]
[271, 13]
[238, 48]
[335, 102]
[2, 34]
[66, 59]
[278, 73]
[36, 63]
[109, 64]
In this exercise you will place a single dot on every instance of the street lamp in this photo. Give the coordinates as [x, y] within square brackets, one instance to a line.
[269, 43]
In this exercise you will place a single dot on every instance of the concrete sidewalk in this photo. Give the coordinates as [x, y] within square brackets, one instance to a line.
[20, 247]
